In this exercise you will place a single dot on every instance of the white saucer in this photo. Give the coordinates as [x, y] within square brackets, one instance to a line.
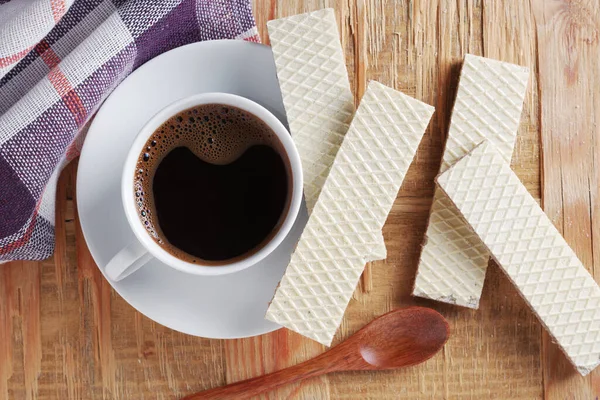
[229, 306]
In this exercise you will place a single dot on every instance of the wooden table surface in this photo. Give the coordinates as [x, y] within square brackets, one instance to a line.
[64, 333]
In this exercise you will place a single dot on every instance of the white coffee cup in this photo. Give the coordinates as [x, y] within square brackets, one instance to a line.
[138, 253]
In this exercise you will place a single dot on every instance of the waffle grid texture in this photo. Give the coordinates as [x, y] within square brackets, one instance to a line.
[316, 94]
[344, 228]
[488, 106]
[318, 101]
[530, 250]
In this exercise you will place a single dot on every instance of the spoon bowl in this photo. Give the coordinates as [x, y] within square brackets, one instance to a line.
[400, 338]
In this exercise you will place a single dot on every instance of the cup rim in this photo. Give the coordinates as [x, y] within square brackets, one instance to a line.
[160, 117]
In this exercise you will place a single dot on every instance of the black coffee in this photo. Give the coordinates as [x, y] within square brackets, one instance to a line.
[212, 185]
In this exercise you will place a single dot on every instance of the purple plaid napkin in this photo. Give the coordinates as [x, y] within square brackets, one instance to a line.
[58, 62]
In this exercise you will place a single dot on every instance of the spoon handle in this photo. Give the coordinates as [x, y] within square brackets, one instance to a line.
[264, 383]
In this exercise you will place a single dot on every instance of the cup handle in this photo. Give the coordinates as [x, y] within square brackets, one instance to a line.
[127, 261]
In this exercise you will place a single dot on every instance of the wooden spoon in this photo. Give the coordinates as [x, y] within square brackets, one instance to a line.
[397, 339]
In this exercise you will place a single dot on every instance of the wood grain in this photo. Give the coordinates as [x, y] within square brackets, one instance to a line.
[568, 35]
[64, 334]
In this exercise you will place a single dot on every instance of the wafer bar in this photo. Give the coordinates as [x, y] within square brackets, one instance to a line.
[344, 228]
[488, 105]
[316, 94]
[530, 250]
[316, 91]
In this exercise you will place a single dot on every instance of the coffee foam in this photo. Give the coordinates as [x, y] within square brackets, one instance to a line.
[215, 133]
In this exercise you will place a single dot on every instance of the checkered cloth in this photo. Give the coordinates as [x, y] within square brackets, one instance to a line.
[59, 60]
